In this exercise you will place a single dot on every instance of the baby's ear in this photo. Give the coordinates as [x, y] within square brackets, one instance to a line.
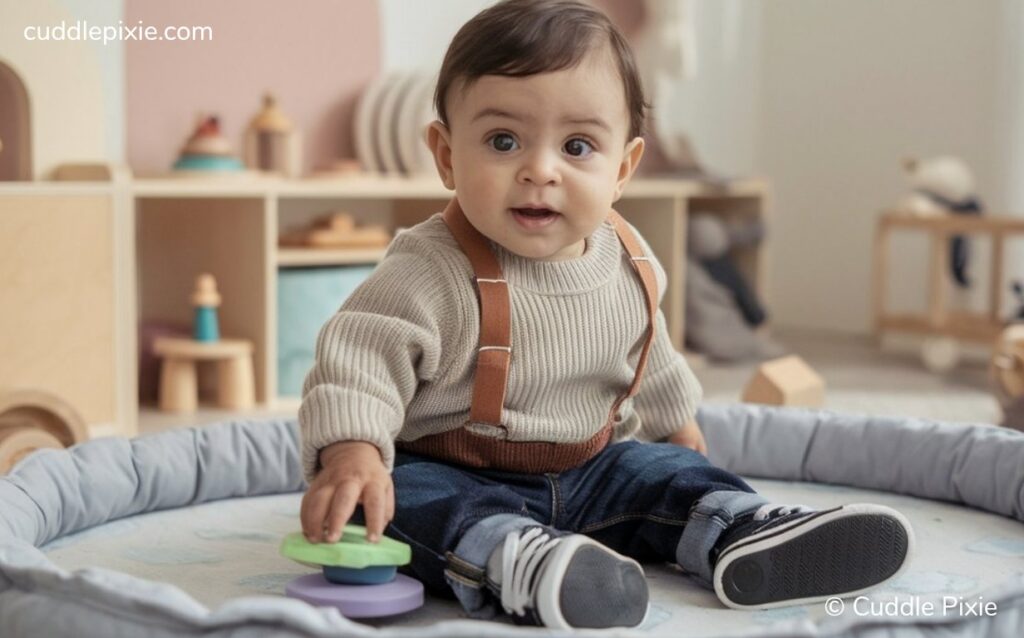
[439, 139]
[630, 160]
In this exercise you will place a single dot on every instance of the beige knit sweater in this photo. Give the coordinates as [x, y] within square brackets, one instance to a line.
[397, 360]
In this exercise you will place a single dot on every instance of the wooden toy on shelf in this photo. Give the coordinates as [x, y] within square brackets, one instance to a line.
[207, 151]
[206, 299]
[786, 381]
[179, 389]
[83, 172]
[271, 142]
[358, 578]
[338, 230]
[339, 168]
[33, 419]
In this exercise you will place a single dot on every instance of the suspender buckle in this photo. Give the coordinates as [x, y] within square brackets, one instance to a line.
[507, 349]
[481, 280]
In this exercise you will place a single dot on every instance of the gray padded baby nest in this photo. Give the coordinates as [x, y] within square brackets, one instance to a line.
[56, 493]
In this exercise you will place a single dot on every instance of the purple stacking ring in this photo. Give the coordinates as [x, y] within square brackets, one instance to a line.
[359, 601]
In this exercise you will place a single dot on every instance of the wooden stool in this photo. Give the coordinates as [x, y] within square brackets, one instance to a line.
[179, 390]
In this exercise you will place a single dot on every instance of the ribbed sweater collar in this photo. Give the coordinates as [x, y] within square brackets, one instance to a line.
[591, 270]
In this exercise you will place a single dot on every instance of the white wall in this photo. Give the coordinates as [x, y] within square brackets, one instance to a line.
[56, 74]
[718, 107]
[415, 35]
[848, 89]
[1008, 128]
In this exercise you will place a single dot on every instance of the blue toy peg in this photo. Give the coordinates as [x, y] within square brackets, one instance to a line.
[206, 299]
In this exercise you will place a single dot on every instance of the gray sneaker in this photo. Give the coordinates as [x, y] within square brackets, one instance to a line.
[793, 555]
[567, 582]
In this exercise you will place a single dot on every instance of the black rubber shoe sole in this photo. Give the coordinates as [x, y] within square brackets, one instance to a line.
[837, 552]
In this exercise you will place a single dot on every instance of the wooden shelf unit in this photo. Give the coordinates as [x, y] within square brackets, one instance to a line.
[171, 229]
[230, 228]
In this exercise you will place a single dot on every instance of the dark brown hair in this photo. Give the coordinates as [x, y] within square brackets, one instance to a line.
[517, 38]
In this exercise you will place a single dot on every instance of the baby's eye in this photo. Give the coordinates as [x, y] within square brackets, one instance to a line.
[503, 142]
[578, 147]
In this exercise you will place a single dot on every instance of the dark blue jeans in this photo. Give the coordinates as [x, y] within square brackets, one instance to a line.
[650, 501]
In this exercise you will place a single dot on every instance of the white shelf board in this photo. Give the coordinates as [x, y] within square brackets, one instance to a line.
[56, 188]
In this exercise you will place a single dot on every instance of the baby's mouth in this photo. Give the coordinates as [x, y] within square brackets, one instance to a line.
[535, 212]
[534, 219]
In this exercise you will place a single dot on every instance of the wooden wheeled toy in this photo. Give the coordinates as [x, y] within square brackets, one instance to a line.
[32, 419]
[1006, 372]
[359, 578]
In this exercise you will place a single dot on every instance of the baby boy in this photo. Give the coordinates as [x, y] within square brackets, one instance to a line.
[502, 393]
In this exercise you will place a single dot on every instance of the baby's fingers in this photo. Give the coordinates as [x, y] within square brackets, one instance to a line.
[313, 514]
[342, 506]
[375, 509]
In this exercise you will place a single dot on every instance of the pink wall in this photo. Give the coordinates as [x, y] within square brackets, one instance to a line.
[315, 56]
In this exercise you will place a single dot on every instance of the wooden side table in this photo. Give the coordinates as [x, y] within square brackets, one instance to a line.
[179, 390]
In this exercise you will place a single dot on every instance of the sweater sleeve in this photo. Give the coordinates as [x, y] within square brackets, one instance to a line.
[669, 392]
[373, 353]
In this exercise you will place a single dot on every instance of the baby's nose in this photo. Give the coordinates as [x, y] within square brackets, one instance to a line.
[539, 169]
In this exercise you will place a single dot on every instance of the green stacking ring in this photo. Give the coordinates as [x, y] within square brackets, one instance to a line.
[352, 550]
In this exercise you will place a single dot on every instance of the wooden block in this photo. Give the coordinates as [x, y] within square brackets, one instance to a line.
[341, 222]
[83, 173]
[786, 381]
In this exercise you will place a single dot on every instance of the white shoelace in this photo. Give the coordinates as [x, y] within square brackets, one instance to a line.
[770, 509]
[522, 555]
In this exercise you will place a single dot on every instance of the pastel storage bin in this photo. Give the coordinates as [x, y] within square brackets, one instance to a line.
[306, 299]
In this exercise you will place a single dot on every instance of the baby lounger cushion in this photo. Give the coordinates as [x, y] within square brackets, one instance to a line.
[57, 493]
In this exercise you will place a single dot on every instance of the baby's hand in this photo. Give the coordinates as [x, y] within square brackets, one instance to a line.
[352, 473]
[690, 436]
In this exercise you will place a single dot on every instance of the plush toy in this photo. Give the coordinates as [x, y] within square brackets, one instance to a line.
[722, 312]
[710, 241]
[943, 185]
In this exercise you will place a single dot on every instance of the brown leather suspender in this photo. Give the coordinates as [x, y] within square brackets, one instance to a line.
[494, 357]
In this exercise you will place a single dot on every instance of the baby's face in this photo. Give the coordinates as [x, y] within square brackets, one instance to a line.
[536, 162]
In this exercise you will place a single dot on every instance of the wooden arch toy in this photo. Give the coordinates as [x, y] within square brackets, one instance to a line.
[33, 419]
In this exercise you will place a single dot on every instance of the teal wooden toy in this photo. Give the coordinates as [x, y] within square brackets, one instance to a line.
[352, 560]
[206, 299]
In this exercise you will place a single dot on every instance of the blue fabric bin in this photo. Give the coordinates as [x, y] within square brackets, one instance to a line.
[306, 299]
